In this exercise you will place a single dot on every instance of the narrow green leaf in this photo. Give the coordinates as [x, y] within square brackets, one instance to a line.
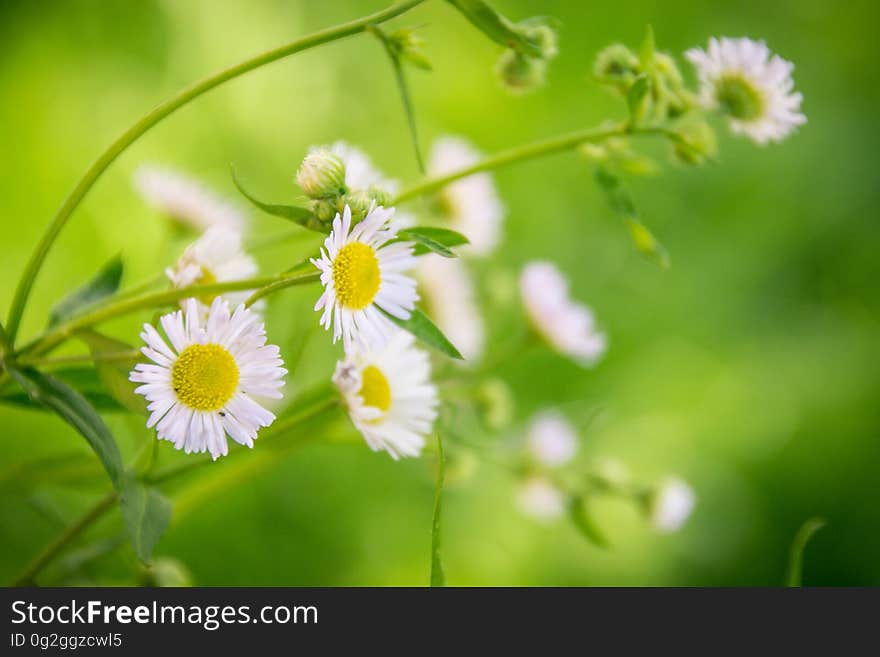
[438, 577]
[437, 240]
[647, 244]
[424, 329]
[794, 575]
[74, 409]
[294, 213]
[579, 512]
[146, 513]
[495, 26]
[636, 98]
[646, 52]
[114, 374]
[83, 379]
[103, 284]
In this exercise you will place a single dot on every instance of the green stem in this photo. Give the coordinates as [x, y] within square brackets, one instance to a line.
[531, 151]
[153, 117]
[120, 356]
[154, 300]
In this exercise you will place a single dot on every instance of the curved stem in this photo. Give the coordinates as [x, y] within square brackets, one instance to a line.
[532, 151]
[113, 357]
[154, 300]
[153, 117]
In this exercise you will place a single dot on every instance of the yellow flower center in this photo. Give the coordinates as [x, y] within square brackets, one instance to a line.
[204, 377]
[206, 278]
[375, 390]
[356, 275]
[739, 98]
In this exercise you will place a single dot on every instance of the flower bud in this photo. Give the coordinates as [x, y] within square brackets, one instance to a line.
[544, 37]
[697, 143]
[618, 66]
[496, 404]
[321, 174]
[359, 202]
[519, 73]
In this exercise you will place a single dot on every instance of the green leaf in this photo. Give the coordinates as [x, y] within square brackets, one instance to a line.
[495, 26]
[647, 50]
[424, 329]
[636, 98]
[295, 213]
[103, 284]
[74, 409]
[146, 513]
[794, 574]
[438, 577]
[83, 379]
[647, 244]
[579, 512]
[114, 374]
[430, 239]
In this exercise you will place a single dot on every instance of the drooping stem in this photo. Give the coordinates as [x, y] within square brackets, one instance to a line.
[153, 117]
[155, 300]
[532, 151]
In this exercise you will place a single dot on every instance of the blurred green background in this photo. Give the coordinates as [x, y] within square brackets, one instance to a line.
[750, 368]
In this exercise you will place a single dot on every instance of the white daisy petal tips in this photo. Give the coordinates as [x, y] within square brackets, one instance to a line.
[471, 204]
[754, 88]
[671, 505]
[360, 173]
[566, 325]
[452, 302]
[552, 440]
[204, 377]
[389, 396]
[363, 275]
[187, 201]
[216, 257]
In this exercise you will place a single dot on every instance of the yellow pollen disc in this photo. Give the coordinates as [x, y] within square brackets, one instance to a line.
[204, 377]
[375, 390]
[207, 278]
[356, 275]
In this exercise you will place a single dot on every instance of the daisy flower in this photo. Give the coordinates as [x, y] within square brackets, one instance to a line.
[451, 297]
[540, 499]
[389, 395]
[186, 201]
[203, 379]
[360, 172]
[471, 204]
[671, 505]
[749, 84]
[363, 276]
[552, 440]
[566, 325]
[216, 257]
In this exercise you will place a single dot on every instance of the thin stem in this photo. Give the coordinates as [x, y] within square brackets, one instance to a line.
[153, 117]
[119, 356]
[154, 300]
[532, 151]
[64, 538]
[275, 287]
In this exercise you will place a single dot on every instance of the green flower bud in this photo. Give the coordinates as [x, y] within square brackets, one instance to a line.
[324, 210]
[618, 66]
[544, 37]
[496, 403]
[697, 143]
[321, 174]
[360, 202]
[519, 73]
[379, 195]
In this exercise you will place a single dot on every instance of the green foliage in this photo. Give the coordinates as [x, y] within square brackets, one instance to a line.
[114, 373]
[794, 573]
[295, 213]
[102, 285]
[582, 518]
[146, 513]
[438, 576]
[424, 329]
[436, 240]
[496, 27]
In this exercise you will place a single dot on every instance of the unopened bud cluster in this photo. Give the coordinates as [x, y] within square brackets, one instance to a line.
[520, 71]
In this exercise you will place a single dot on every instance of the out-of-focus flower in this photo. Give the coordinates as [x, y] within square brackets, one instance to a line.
[671, 505]
[360, 172]
[321, 174]
[539, 498]
[471, 204]
[389, 395]
[363, 275]
[450, 295]
[742, 79]
[617, 66]
[216, 257]
[187, 201]
[203, 380]
[552, 441]
[566, 325]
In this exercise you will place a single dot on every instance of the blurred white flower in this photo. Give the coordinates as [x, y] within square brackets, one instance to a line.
[552, 440]
[755, 89]
[471, 204]
[566, 325]
[389, 395]
[216, 257]
[360, 172]
[540, 499]
[671, 505]
[363, 275]
[452, 302]
[186, 200]
[203, 380]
